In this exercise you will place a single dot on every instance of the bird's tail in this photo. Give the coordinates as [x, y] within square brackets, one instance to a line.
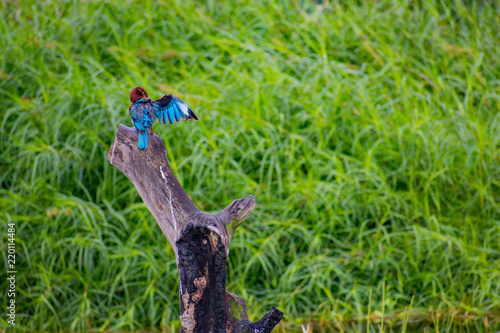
[143, 140]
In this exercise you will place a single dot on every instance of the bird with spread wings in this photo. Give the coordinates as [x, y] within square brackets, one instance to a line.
[144, 112]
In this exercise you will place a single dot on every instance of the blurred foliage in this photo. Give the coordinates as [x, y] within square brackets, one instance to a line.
[368, 132]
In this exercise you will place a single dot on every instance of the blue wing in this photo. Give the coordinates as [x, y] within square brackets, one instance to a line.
[142, 122]
[170, 108]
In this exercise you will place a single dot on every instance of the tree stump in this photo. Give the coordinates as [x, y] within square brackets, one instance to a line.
[200, 240]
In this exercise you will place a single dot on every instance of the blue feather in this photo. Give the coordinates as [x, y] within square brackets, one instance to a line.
[143, 140]
[159, 115]
[170, 115]
[178, 113]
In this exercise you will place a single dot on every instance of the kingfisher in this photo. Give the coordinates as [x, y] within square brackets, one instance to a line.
[145, 111]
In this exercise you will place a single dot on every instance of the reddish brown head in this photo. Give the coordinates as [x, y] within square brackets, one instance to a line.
[138, 93]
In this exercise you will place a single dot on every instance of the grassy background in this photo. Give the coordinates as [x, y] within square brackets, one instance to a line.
[368, 132]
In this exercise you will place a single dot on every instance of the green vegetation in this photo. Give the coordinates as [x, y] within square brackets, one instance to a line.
[369, 134]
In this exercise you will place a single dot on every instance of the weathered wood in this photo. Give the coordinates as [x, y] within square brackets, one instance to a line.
[200, 240]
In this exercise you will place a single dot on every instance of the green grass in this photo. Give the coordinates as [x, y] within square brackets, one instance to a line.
[368, 132]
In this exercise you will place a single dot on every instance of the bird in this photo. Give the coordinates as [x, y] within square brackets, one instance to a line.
[145, 111]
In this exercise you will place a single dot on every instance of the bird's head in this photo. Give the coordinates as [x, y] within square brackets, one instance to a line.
[137, 93]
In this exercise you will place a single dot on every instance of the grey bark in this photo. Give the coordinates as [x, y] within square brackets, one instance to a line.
[200, 240]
